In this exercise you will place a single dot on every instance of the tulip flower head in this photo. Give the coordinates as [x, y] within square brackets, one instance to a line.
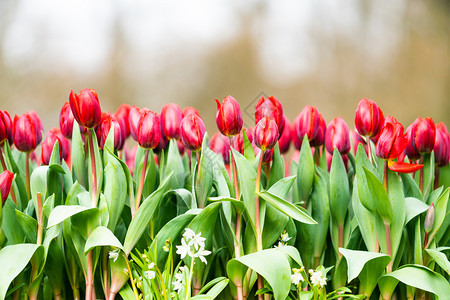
[369, 118]
[171, 116]
[238, 141]
[5, 127]
[190, 110]
[27, 134]
[149, 130]
[423, 135]
[86, 107]
[272, 108]
[53, 135]
[321, 133]
[441, 145]
[229, 117]
[66, 120]
[337, 136]
[192, 132]
[6, 178]
[285, 139]
[104, 128]
[122, 116]
[266, 133]
[220, 144]
[410, 150]
[133, 119]
[307, 122]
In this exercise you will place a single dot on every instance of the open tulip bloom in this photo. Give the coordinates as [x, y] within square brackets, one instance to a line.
[175, 213]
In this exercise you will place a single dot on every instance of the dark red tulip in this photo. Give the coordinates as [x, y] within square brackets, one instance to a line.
[271, 108]
[441, 145]
[181, 147]
[133, 120]
[410, 150]
[423, 134]
[285, 139]
[122, 116]
[171, 116]
[66, 120]
[296, 139]
[27, 132]
[53, 135]
[321, 132]
[330, 160]
[238, 141]
[5, 127]
[337, 136]
[356, 140]
[6, 178]
[266, 133]
[307, 122]
[192, 132]
[86, 107]
[369, 118]
[103, 131]
[149, 130]
[190, 110]
[220, 144]
[229, 116]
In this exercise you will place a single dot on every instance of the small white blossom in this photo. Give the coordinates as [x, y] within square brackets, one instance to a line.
[151, 265]
[177, 285]
[201, 253]
[150, 274]
[188, 233]
[278, 245]
[317, 278]
[297, 277]
[114, 254]
[285, 237]
[197, 241]
[184, 249]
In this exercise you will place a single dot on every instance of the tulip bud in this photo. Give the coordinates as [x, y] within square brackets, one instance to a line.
[238, 141]
[5, 127]
[266, 133]
[103, 131]
[356, 140]
[429, 218]
[27, 132]
[285, 139]
[66, 120]
[220, 144]
[133, 120]
[368, 118]
[6, 178]
[410, 150]
[53, 135]
[307, 122]
[392, 141]
[229, 117]
[122, 116]
[190, 110]
[337, 136]
[149, 130]
[441, 145]
[86, 107]
[272, 108]
[171, 116]
[321, 132]
[423, 135]
[192, 132]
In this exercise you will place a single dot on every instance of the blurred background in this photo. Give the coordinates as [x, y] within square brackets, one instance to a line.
[325, 53]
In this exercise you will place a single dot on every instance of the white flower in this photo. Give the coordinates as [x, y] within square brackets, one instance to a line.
[201, 253]
[197, 241]
[297, 277]
[279, 244]
[177, 285]
[151, 265]
[188, 233]
[317, 278]
[285, 237]
[184, 249]
[114, 254]
[150, 274]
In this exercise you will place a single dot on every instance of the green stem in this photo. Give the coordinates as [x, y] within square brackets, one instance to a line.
[387, 229]
[369, 149]
[340, 239]
[188, 287]
[421, 176]
[257, 219]
[94, 169]
[39, 217]
[133, 285]
[141, 182]
[27, 174]
[106, 286]
[89, 276]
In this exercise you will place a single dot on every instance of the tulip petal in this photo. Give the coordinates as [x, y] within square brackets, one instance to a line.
[402, 167]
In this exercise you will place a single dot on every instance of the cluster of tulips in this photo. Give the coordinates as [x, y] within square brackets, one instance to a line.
[350, 214]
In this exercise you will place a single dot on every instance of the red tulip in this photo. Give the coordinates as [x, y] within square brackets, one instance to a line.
[122, 116]
[330, 160]
[238, 141]
[266, 133]
[161, 145]
[272, 108]
[356, 140]
[307, 122]
[6, 178]
[86, 108]
[190, 110]
[423, 134]
[369, 118]
[27, 132]
[149, 130]
[268, 156]
[103, 131]
[285, 139]
[181, 148]
[133, 119]
[337, 136]
[171, 116]
[441, 145]
[220, 144]
[321, 132]
[66, 120]
[5, 127]
[192, 132]
[53, 135]
[229, 116]
[410, 150]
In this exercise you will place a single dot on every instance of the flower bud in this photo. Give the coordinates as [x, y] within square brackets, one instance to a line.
[66, 120]
[229, 117]
[220, 144]
[285, 139]
[27, 132]
[271, 108]
[429, 218]
[423, 135]
[192, 132]
[266, 133]
[53, 135]
[392, 141]
[103, 131]
[5, 127]
[238, 141]
[441, 145]
[369, 118]
[356, 140]
[86, 108]
[171, 116]
[149, 130]
[410, 150]
[307, 122]
[321, 132]
[337, 136]
[122, 116]
[190, 110]
[133, 120]
[6, 178]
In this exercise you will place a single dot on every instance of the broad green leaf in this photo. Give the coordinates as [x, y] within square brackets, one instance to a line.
[320, 211]
[28, 224]
[62, 212]
[422, 278]
[305, 170]
[13, 260]
[397, 203]
[275, 222]
[10, 225]
[101, 236]
[277, 168]
[144, 214]
[410, 187]
[215, 287]
[287, 207]
[78, 157]
[174, 164]
[282, 187]
[379, 195]
[440, 258]
[38, 181]
[204, 174]
[414, 207]
[365, 196]
[339, 189]
[440, 213]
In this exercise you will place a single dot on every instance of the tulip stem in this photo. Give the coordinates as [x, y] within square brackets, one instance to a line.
[39, 217]
[94, 169]
[257, 218]
[27, 174]
[133, 285]
[369, 149]
[387, 229]
[421, 175]
[13, 196]
[141, 182]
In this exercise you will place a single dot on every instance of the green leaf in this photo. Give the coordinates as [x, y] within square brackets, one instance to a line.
[277, 168]
[410, 187]
[13, 260]
[379, 195]
[305, 170]
[38, 181]
[174, 164]
[287, 207]
[78, 157]
[62, 212]
[215, 287]
[365, 196]
[144, 214]
[339, 189]
[10, 225]
[440, 213]
[397, 203]
[422, 278]
[101, 236]
[204, 174]
[414, 207]
[28, 225]
[98, 165]
[249, 152]
[440, 258]
[282, 187]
